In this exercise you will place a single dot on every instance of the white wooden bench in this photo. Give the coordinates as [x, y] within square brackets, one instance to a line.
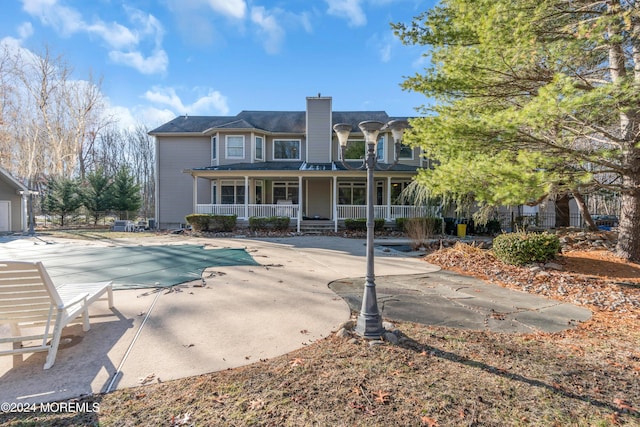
[30, 301]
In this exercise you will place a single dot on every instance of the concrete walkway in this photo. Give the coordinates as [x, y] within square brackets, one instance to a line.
[247, 313]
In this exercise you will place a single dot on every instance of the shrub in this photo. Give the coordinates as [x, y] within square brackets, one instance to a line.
[198, 222]
[280, 223]
[222, 223]
[523, 248]
[360, 224]
[216, 223]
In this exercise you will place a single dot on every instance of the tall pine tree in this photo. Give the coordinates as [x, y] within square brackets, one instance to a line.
[533, 98]
[126, 197]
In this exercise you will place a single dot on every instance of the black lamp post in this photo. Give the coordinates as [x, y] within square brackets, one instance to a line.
[369, 323]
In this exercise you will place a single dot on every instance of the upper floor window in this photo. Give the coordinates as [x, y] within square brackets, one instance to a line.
[214, 148]
[259, 150]
[406, 152]
[357, 149]
[286, 149]
[235, 147]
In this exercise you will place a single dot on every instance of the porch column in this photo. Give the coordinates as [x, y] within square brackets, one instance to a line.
[299, 219]
[195, 193]
[389, 198]
[25, 211]
[335, 204]
[246, 197]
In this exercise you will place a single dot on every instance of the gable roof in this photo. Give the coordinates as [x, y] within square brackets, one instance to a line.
[6, 177]
[267, 121]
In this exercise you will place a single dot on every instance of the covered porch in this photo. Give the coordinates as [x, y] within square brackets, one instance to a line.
[306, 193]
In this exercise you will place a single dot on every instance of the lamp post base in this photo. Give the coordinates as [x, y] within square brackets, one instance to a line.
[369, 326]
[369, 323]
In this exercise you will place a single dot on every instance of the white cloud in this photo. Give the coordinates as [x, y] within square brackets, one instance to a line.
[123, 41]
[115, 35]
[25, 30]
[156, 63]
[351, 10]
[232, 8]
[268, 25]
[64, 19]
[384, 45]
[213, 103]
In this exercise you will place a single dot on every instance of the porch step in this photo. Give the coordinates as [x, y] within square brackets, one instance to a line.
[316, 226]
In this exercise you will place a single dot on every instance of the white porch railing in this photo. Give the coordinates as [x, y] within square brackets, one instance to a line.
[254, 210]
[380, 211]
[344, 211]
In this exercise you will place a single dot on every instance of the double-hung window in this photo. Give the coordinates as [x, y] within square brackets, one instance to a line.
[285, 191]
[406, 152]
[259, 148]
[352, 193]
[286, 149]
[234, 147]
[232, 192]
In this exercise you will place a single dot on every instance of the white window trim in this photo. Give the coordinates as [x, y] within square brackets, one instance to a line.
[255, 147]
[273, 149]
[226, 147]
[214, 149]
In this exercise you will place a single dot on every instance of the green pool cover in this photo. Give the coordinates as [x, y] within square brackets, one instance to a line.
[137, 266]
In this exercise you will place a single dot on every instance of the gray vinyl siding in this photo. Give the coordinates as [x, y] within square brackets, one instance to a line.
[8, 192]
[319, 132]
[175, 189]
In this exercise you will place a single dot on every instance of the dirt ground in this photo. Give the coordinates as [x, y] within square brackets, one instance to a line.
[586, 376]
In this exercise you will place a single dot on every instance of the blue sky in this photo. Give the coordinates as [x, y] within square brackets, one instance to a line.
[162, 58]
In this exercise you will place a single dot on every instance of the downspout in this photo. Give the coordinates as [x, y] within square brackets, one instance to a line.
[299, 202]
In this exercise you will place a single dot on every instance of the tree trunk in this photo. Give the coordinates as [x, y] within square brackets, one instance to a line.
[563, 213]
[628, 246]
[591, 226]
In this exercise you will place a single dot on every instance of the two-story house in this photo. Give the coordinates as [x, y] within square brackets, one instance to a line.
[276, 163]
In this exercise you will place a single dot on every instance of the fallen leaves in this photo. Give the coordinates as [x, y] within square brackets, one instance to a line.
[256, 404]
[296, 362]
[382, 397]
[624, 405]
[429, 422]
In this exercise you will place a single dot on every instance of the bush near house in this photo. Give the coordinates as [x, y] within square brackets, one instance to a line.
[523, 248]
[360, 224]
[279, 223]
[215, 223]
